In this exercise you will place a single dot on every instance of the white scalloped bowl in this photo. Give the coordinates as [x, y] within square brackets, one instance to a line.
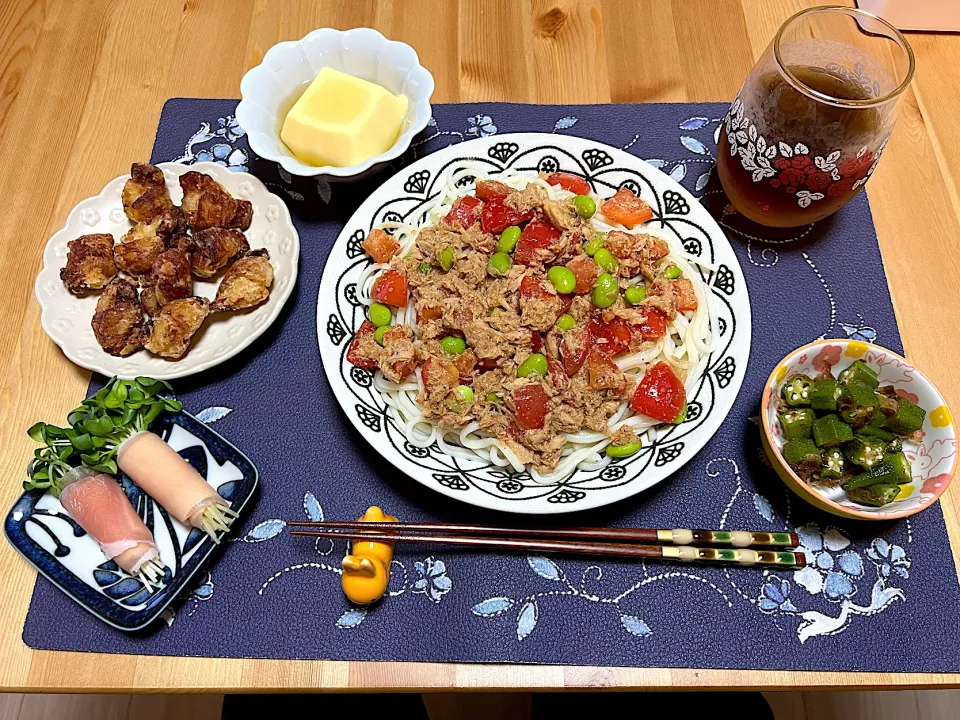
[266, 89]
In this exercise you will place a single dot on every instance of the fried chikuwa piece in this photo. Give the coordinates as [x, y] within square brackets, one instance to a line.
[215, 248]
[118, 321]
[170, 276]
[207, 204]
[246, 284]
[141, 246]
[175, 325]
[145, 196]
[90, 263]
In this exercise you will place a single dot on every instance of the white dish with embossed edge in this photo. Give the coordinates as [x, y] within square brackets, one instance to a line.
[362, 52]
[66, 317]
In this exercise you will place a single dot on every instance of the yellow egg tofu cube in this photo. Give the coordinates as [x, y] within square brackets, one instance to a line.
[341, 120]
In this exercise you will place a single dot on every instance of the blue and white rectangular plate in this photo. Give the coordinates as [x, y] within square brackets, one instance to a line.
[40, 530]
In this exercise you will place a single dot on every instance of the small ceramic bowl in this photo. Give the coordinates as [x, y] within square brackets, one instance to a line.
[267, 90]
[933, 460]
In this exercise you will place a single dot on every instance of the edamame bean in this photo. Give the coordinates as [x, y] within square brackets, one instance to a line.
[566, 322]
[453, 345]
[586, 207]
[508, 239]
[595, 244]
[535, 364]
[605, 259]
[425, 268]
[499, 264]
[379, 315]
[492, 397]
[635, 294]
[622, 451]
[445, 258]
[460, 399]
[672, 272]
[562, 279]
[381, 331]
[605, 290]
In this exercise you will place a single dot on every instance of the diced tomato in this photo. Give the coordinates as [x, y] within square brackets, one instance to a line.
[490, 189]
[566, 301]
[655, 326]
[557, 373]
[390, 289]
[573, 349]
[536, 341]
[463, 212]
[604, 373]
[659, 394]
[586, 271]
[657, 248]
[570, 182]
[465, 362]
[538, 234]
[532, 287]
[439, 376]
[486, 364]
[497, 216]
[428, 313]
[354, 357]
[626, 208]
[380, 246]
[686, 297]
[530, 405]
[616, 335]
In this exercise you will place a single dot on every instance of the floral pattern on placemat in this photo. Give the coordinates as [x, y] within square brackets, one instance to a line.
[869, 601]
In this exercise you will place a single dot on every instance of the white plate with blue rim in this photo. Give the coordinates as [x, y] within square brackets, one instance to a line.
[676, 212]
[49, 539]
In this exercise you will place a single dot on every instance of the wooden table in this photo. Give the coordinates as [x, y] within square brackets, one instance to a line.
[81, 87]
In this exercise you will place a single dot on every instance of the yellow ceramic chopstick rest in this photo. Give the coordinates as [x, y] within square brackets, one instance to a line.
[366, 570]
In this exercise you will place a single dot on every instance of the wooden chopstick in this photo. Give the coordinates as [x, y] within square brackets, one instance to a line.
[742, 556]
[733, 538]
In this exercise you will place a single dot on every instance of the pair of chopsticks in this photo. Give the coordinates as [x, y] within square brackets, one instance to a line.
[724, 546]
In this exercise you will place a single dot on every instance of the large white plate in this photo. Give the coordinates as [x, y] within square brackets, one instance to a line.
[404, 195]
[66, 318]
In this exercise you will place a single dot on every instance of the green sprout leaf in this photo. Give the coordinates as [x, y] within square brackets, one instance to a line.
[38, 432]
[83, 443]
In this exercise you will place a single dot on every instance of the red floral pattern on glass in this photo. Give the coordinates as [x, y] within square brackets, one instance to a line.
[791, 167]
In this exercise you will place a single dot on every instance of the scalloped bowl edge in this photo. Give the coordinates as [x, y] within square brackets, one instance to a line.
[419, 112]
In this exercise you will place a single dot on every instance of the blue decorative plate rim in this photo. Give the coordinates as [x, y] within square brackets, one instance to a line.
[100, 604]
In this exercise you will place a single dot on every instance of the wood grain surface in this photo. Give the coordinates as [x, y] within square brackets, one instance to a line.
[82, 83]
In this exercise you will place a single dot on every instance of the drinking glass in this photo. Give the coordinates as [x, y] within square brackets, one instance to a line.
[811, 120]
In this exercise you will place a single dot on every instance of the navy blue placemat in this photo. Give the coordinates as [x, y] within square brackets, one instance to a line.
[877, 596]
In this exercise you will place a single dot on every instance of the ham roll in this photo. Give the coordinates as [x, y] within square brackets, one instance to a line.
[98, 504]
[170, 480]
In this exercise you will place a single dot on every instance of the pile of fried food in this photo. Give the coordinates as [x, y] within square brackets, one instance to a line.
[151, 270]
